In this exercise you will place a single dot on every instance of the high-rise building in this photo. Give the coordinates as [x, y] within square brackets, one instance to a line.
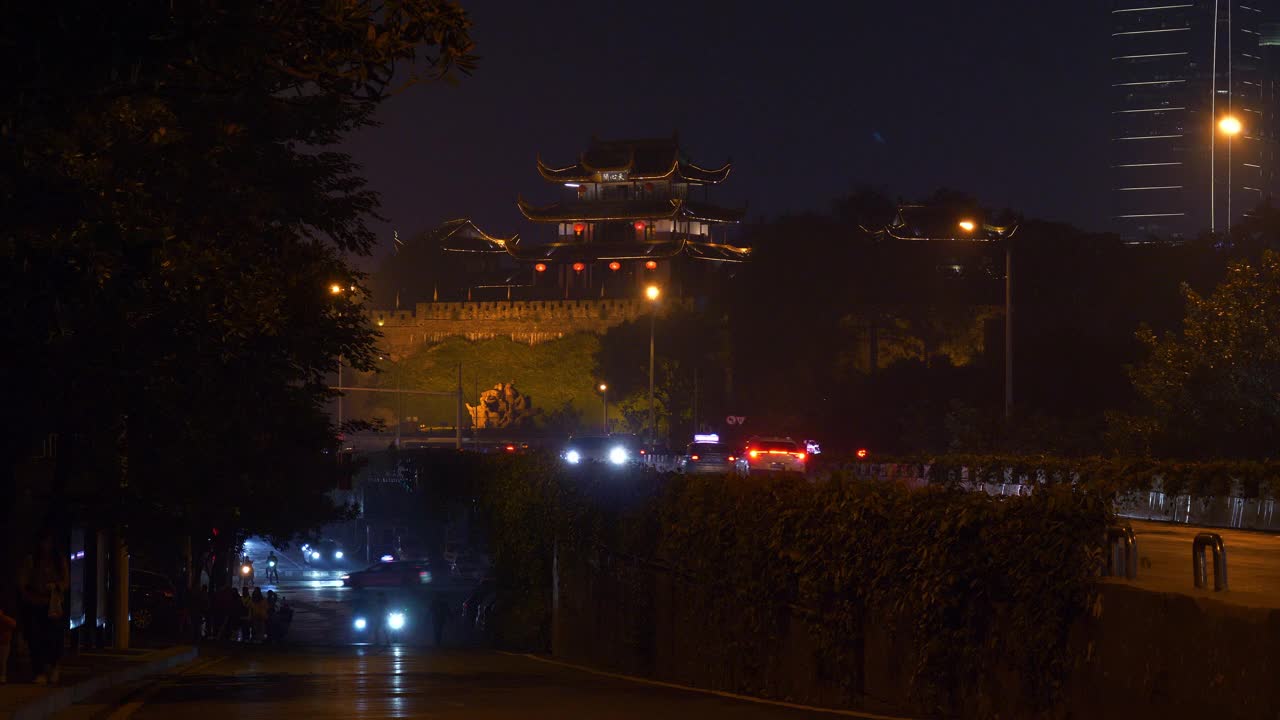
[1192, 114]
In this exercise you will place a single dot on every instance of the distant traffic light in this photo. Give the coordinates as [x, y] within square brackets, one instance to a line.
[861, 453]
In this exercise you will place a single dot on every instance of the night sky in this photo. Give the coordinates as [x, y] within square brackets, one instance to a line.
[1003, 99]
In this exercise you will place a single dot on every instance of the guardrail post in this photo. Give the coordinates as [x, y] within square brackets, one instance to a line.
[1122, 552]
[1200, 572]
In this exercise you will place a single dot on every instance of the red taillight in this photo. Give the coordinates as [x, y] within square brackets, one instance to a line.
[693, 457]
[754, 453]
[511, 448]
[732, 458]
[800, 456]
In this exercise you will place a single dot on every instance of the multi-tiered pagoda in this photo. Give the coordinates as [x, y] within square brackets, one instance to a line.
[633, 212]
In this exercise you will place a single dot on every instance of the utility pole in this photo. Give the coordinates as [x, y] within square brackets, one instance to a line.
[1008, 328]
[457, 423]
[339, 394]
[653, 292]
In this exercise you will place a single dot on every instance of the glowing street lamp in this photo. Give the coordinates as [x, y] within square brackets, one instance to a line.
[335, 289]
[652, 292]
[967, 225]
[1230, 125]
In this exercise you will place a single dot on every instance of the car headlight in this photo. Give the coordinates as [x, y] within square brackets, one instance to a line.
[395, 621]
[573, 457]
[245, 569]
[360, 623]
[315, 555]
[618, 455]
[337, 555]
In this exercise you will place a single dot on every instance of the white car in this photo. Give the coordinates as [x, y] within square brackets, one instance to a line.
[772, 454]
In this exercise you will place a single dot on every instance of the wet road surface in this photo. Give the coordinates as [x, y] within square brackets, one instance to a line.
[327, 669]
[399, 682]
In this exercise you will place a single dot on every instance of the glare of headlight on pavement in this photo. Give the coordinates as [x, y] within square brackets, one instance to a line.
[395, 621]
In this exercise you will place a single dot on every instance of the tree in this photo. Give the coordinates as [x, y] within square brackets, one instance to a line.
[1213, 389]
[175, 226]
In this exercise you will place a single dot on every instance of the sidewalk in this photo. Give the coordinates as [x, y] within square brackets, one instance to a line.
[86, 674]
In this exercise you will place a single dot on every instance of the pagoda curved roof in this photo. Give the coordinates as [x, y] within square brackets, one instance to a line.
[600, 210]
[463, 235]
[646, 159]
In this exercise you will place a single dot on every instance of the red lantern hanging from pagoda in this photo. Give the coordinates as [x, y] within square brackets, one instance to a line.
[615, 266]
[651, 265]
[639, 224]
[579, 228]
[579, 267]
[540, 267]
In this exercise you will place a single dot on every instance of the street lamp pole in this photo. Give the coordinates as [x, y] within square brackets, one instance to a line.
[653, 293]
[604, 406]
[653, 428]
[1008, 328]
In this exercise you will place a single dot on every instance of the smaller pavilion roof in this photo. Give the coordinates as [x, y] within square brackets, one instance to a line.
[927, 222]
[462, 235]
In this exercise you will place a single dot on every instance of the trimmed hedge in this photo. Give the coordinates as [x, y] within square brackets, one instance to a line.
[978, 586]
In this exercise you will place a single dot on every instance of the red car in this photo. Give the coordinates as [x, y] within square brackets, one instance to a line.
[405, 573]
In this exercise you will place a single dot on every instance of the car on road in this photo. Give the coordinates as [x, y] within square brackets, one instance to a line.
[325, 554]
[152, 600]
[597, 448]
[771, 454]
[708, 457]
[397, 573]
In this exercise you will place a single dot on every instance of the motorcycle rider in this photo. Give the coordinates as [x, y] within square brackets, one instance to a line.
[246, 572]
[273, 572]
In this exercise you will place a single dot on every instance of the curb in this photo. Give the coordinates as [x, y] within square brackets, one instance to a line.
[64, 697]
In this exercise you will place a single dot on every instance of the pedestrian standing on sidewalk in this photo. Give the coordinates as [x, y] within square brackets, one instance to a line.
[7, 626]
[258, 615]
[243, 614]
[199, 611]
[45, 578]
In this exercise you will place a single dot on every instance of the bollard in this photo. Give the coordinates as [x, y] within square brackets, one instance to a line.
[1200, 573]
[1122, 552]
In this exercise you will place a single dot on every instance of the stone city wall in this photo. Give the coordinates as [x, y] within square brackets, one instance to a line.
[532, 321]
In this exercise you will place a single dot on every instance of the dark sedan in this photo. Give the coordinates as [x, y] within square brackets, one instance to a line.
[390, 574]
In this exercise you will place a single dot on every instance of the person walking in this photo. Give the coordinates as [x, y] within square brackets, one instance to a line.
[380, 634]
[200, 604]
[439, 616]
[7, 626]
[258, 615]
[44, 580]
[227, 607]
[243, 614]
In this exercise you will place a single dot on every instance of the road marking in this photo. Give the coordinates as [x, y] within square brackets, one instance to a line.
[704, 691]
[133, 706]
